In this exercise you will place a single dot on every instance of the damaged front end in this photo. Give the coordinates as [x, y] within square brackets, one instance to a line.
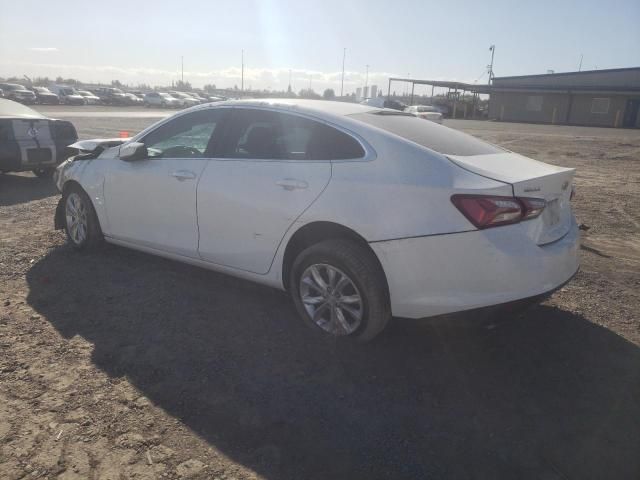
[87, 150]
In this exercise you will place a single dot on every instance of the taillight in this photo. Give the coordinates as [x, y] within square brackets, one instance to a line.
[486, 211]
[532, 207]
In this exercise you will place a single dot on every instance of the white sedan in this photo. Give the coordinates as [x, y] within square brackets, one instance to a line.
[361, 213]
[426, 112]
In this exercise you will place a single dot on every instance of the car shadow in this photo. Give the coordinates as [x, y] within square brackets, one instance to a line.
[23, 188]
[545, 395]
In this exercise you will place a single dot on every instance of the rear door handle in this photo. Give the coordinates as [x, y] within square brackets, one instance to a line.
[292, 184]
[183, 175]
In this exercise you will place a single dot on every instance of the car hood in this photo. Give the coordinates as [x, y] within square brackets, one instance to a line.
[94, 143]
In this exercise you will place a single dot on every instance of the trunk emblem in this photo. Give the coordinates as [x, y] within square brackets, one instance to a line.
[532, 189]
[32, 132]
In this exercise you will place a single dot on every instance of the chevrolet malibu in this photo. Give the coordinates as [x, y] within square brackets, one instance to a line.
[360, 213]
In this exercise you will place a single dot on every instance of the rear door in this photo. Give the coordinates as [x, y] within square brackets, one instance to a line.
[271, 167]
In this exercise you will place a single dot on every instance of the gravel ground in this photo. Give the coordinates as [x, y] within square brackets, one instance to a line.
[121, 365]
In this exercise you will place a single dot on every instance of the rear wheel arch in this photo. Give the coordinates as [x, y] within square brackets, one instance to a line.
[316, 232]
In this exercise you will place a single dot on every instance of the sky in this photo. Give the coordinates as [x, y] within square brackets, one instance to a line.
[143, 41]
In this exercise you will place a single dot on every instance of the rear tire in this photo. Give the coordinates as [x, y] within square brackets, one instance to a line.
[44, 172]
[339, 290]
[80, 220]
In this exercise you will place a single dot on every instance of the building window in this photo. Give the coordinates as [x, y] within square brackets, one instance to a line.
[600, 105]
[534, 103]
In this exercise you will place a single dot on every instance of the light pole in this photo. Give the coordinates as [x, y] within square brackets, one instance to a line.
[242, 71]
[493, 51]
[182, 69]
[344, 55]
[366, 78]
[290, 81]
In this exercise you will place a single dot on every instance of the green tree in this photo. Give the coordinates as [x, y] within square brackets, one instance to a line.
[329, 94]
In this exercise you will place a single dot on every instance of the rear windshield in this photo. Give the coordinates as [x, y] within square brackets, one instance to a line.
[428, 134]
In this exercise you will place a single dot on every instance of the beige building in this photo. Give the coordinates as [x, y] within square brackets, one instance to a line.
[606, 98]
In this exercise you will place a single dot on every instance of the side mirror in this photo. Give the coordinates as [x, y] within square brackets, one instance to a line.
[130, 152]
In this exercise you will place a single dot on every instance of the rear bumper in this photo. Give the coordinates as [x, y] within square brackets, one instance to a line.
[442, 274]
[12, 156]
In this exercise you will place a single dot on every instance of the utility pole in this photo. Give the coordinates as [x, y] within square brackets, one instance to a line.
[580, 66]
[344, 55]
[182, 69]
[493, 51]
[242, 72]
[366, 81]
[290, 81]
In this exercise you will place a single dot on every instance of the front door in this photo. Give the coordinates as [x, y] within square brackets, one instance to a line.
[152, 202]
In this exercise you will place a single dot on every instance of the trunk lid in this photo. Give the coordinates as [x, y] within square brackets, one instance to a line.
[533, 179]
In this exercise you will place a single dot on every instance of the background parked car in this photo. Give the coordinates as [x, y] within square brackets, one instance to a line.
[68, 95]
[110, 96]
[18, 93]
[45, 96]
[132, 99]
[198, 97]
[184, 99]
[161, 99]
[89, 97]
[426, 112]
[382, 102]
[29, 141]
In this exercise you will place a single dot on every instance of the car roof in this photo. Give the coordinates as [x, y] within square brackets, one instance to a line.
[304, 106]
[11, 109]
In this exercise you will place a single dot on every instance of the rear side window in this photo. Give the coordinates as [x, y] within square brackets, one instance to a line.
[261, 134]
[428, 134]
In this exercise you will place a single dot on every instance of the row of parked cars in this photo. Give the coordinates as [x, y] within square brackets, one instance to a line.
[62, 94]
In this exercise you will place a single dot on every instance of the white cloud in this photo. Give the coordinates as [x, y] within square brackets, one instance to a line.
[43, 49]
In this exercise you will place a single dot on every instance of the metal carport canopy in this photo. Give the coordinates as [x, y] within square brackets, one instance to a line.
[442, 83]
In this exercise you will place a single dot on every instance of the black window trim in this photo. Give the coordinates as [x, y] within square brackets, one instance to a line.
[369, 152]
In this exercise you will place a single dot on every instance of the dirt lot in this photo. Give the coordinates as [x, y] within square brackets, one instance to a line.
[120, 365]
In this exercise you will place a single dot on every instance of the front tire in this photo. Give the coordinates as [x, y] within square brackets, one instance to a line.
[81, 222]
[339, 290]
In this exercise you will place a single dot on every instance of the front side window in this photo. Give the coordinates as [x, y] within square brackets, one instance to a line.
[261, 134]
[187, 136]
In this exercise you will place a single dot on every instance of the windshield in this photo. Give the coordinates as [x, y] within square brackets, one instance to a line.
[42, 90]
[69, 91]
[428, 134]
[85, 93]
[116, 90]
[165, 95]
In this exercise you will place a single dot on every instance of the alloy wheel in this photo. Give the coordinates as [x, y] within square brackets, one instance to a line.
[331, 299]
[77, 219]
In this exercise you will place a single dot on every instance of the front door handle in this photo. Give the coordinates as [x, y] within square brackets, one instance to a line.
[292, 184]
[183, 175]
